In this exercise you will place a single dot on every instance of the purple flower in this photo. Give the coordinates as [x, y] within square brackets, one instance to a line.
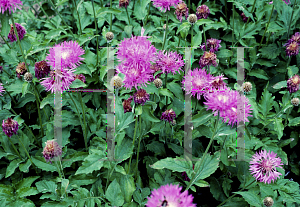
[80, 77]
[10, 5]
[218, 83]
[51, 150]
[169, 62]
[209, 58]
[169, 115]
[197, 82]
[127, 105]
[295, 38]
[1, 89]
[21, 69]
[181, 10]
[66, 76]
[21, 32]
[291, 48]
[123, 3]
[263, 166]
[42, 69]
[154, 69]
[202, 12]
[245, 19]
[212, 44]
[293, 84]
[165, 4]
[10, 127]
[70, 53]
[170, 195]
[141, 96]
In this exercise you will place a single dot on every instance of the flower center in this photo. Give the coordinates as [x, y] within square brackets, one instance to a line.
[293, 46]
[65, 54]
[296, 80]
[134, 72]
[207, 55]
[222, 98]
[267, 165]
[199, 82]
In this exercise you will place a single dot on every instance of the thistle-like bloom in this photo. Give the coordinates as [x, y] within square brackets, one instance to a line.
[170, 195]
[10, 127]
[127, 105]
[295, 38]
[28, 77]
[1, 89]
[165, 5]
[141, 96]
[245, 19]
[21, 69]
[169, 115]
[116, 82]
[169, 62]
[136, 54]
[70, 53]
[209, 58]
[291, 48]
[197, 82]
[42, 69]
[263, 166]
[10, 5]
[181, 10]
[218, 83]
[293, 84]
[202, 12]
[80, 77]
[21, 32]
[212, 44]
[51, 150]
[66, 77]
[123, 3]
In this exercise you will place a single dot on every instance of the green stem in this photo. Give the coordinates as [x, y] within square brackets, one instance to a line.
[226, 11]
[204, 37]
[203, 156]
[111, 17]
[288, 34]
[78, 17]
[133, 4]
[5, 41]
[166, 78]
[147, 14]
[266, 27]
[11, 98]
[165, 36]
[82, 105]
[127, 16]
[233, 24]
[109, 175]
[251, 11]
[270, 32]
[38, 98]
[15, 148]
[288, 112]
[8, 73]
[47, 15]
[61, 18]
[96, 29]
[136, 120]
[192, 35]
[235, 194]
[39, 112]
[178, 45]
[190, 5]
[138, 151]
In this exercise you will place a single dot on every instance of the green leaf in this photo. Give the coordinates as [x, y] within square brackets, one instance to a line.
[12, 166]
[24, 89]
[27, 191]
[224, 53]
[128, 30]
[197, 39]
[24, 100]
[281, 84]
[140, 10]
[90, 59]
[15, 87]
[77, 84]
[82, 179]
[42, 164]
[259, 73]
[202, 21]
[292, 70]
[4, 114]
[216, 189]
[147, 112]
[128, 187]
[91, 163]
[252, 198]
[45, 186]
[294, 121]
[138, 110]
[166, 92]
[105, 10]
[174, 164]
[114, 194]
[5, 27]
[278, 127]
[176, 89]
[123, 151]
[266, 103]
[184, 27]
[285, 142]
[270, 52]
[201, 118]
[26, 182]
[202, 183]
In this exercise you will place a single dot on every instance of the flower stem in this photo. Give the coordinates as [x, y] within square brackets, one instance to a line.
[83, 111]
[11, 98]
[15, 148]
[96, 29]
[110, 17]
[39, 112]
[226, 11]
[192, 35]
[5, 41]
[127, 16]
[288, 112]
[251, 11]
[8, 73]
[233, 24]
[47, 15]
[235, 194]
[194, 178]
[38, 98]
[291, 21]
[165, 36]
[138, 151]
[147, 14]
[204, 37]
[270, 32]
[266, 27]
[136, 120]
[78, 16]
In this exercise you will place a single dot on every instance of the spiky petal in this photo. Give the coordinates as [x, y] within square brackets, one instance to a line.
[212, 44]
[10, 5]
[141, 96]
[169, 62]
[291, 48]
[21, 32]
[42, 69]
[127, 105]
[169, 115]
[202, 12]
[165, 5]
[293, 84]
[209, 58]
[51, 150]
[10, 127]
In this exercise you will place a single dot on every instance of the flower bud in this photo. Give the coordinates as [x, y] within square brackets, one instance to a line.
[28, 77]
[169, 115]
[192, 18]
[42, 69]
[268, 201]
[293, 84]
[109, 36]
[295, 101]
[165, 26]
[116, 82]
[247, 87]
[158, 82]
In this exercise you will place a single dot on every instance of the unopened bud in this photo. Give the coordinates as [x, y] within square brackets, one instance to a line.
[109, 36]
[247, 87]
[268, 201]
[192, 18]
[116, 82]
[295, 101]
[28, 77]
[158, 82]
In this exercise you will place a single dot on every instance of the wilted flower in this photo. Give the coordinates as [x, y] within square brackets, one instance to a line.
[21, 69]
[28, 77]
[202, 12]
[169, 62]
[212, 44]
[181, 10]
[123, 3]
[158, 82]
[217, 83]
[116, 82]
[293, 84]
[245, 19]
[10, 127]
[42, 69]
[192, 18]
[209, 58]
[1, 89]
[263, 166]
[10, 5]
[127, 105]
[164, 5]
[80, 77]
[268, 202]
[170, 195]
[70, 53]
[200, 82]
[154, 68]
[141, 96]
[51, 150]
[66, 77]
[292, 48]
[295, 101]
[109, 36]
[21, 32]
[169, 115]
[247, 87]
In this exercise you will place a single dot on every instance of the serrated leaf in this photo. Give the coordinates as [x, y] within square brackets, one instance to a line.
[45, 186]
[149, 115]
[41, 163]
[259, 73]
[197, 39]
[166, 92]
[114, 194]
[251, 198]
[12, 166]
[224, 53]
[184, 27]
[77, 84]
[294, 121]
[278, 127]
[128, 186]
[292, 70]
[266, 103]
[26, 182]
[270, 52]
[90, 164]
[27, 191]
[281, 84]
[174, 164]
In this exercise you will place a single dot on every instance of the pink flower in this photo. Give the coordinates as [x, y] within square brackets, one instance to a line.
[218, 83]
[169, 62]
[165, 4]
[10, 127]
[263, 166]
[293, 84]
[212, 44]
[21, 32]
[202, 12]
[10, 5]
[51, 150]
[1, 89]
[295, 38]
[291, 48]
[209, 58]
[66, 76]
[170, 195]
[169, 115]
[141, 96]
[70, 54]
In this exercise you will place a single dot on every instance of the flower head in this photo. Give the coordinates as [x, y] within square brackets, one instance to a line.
[293, 84]
[212, 44]
[141, 96]
[127, 105]
[218, 84]
[209, 58]
[66, 77]
[192, 19]
[21, 69]
[291, 48]
[123, 3]
[197, 82]
[268, 202]
[10, 127]
[170, 195]
[51, 150]
[169, 115]
[263, 166]
[10, 5]
[247, 87]
[21, 32]
[295, 101]
[70, 54]
[1, 89]
[202, 12]
[28, 77]
[158, 82]
[116, 82]
[165, 5]
[169, 62]
[295, 38]
[181, 10]
[42, 69]
[109, 36]
[154, 68]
